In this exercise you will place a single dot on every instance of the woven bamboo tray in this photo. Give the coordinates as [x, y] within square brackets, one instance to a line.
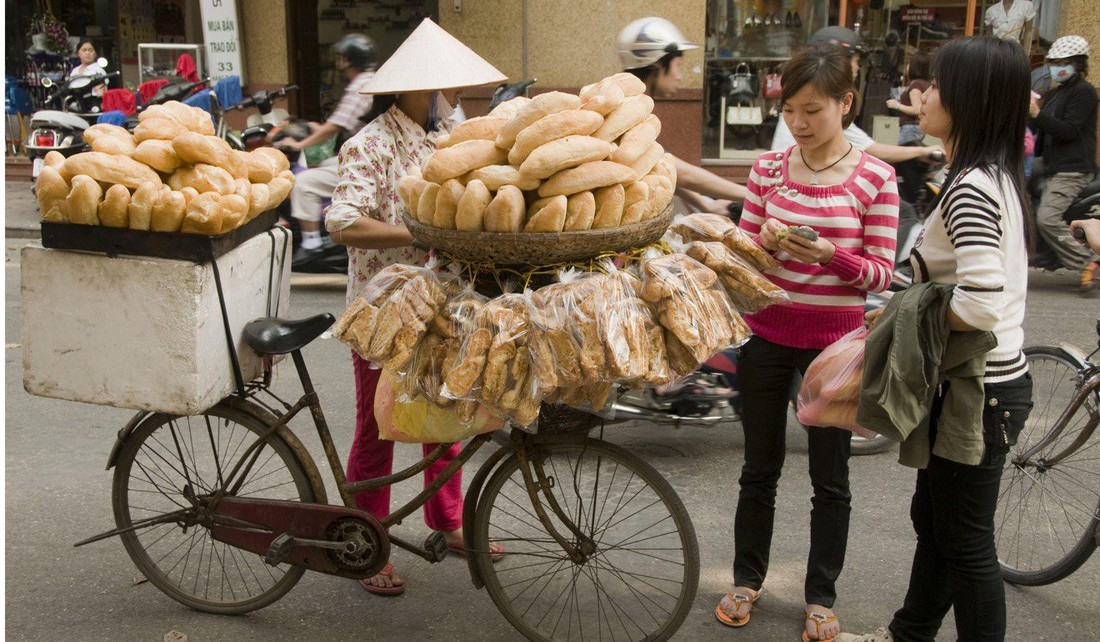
[507, 248]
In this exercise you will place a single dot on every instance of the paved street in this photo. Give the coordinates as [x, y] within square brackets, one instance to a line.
[58, 493]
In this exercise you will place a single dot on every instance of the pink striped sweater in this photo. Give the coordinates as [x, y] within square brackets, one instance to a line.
[859, 216]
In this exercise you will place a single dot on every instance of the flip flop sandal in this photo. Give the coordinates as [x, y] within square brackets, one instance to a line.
[386, 591]
[738, 600]
[818, 619]
[496, 551]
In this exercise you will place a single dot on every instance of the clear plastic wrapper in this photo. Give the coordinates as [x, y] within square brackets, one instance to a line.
[508, 382]
[559, 353]
[722, 229]
[467, 339]
[749, 290]
[595, 398]
[829, 395]
[622, 323]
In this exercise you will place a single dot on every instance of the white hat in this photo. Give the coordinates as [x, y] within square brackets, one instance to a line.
[430, 59]
[646, 40]
[1068, 47]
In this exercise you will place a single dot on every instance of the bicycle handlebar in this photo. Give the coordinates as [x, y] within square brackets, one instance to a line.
[250, 102]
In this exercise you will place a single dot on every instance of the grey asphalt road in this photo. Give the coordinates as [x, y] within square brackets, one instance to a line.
[58, 493]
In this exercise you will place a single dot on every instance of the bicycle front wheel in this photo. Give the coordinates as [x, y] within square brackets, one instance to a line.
[640, 568]
[167, 467]
[1047, 513]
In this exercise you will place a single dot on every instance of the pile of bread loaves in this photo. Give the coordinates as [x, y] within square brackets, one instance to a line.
[171, 175]
[554, 163]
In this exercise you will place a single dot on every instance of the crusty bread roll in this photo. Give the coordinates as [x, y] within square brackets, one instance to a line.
[547, 215]
[636, 203]
[278, 189]
[277, 158]
[113, 208]
[609, 207]
[168, 210]
[158, 154]
[261, 167]
[195, 148]
[580, 212]
[589, 176]
[506, 211]
[540, 106]
[189, 194]
[83, 200]
[99, 130]
[409, 189]
[553, 127]
[470, 216]
[630, 85]
[635, 143]
[497, 176]
[51, 191]
[660, 195]
[480, 128]
[54, 159]
[203, 215]
[564, 153]
[159, 129]
[425, 207]
[192, 118]
[446, 204]
[654, 122]
[647, 161]
[108, 169]
[234, 212]
[665, 167]
[243, 189]
[633, 111]
[204, 178]
[605, 101]
[257, 204]
[453, 162]
[122, 145]
[509, 108]
[140, 209]
[236, 163]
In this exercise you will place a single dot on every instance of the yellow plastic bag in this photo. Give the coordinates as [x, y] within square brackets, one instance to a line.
[422, 422]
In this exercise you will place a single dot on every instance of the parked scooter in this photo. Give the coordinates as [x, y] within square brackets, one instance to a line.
[62, 129]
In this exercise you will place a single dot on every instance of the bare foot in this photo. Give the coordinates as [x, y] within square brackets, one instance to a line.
[821, 622]
[738, 610]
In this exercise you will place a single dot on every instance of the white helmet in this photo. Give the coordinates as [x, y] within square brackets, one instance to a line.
[1068, 47]
[645, 41]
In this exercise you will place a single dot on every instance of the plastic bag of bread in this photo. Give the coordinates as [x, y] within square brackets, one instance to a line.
[508, 387]
[417, 420]
[621, 319]
[749, 290]
[467, 356]
[719, 228]
[594, 398]
[555, 343]
[830, 388]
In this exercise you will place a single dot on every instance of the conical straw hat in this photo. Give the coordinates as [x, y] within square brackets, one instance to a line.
[430, 59]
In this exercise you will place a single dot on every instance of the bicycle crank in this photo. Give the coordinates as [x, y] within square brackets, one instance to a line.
[330, 539]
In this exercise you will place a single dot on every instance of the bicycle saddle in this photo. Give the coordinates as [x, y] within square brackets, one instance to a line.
[272, 335]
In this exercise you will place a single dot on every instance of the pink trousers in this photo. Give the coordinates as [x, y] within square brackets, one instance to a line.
[371, 457]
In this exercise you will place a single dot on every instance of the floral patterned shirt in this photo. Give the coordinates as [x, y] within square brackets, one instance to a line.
[371, 163]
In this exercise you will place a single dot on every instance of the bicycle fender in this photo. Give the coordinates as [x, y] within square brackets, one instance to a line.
[124, 434]
[469, 508]
[1075, 353]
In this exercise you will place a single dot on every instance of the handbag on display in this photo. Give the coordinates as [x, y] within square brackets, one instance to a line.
[741, 90]
[744, 115]
[773, 86]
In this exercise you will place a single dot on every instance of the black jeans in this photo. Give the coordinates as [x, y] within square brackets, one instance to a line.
[953, 509]
[765, 371]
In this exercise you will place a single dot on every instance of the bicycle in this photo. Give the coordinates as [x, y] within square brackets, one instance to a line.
[225, 511]
[1048, 512]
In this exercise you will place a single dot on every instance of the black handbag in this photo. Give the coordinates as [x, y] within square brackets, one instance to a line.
[742, 88]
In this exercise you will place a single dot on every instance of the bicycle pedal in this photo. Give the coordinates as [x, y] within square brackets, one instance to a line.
[435, 547]
[280, 548]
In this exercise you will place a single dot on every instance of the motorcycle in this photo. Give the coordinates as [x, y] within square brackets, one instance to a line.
[62, 129]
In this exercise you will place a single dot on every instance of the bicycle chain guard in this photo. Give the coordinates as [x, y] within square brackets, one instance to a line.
[282, 531]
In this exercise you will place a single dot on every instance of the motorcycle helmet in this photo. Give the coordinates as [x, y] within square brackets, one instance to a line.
[357, 49]
[838, 36]
[1068, 47]
[645, 41]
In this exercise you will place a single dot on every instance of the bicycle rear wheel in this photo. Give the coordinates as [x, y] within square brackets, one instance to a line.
[640, 572]
[167, 467]
[1047, 514]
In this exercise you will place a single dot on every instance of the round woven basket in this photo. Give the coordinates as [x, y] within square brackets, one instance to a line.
[508, 248]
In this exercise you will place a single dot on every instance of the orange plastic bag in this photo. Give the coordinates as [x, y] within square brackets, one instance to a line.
[829, 395]
[419, 421]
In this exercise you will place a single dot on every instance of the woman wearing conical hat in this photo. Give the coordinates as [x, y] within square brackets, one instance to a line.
[415, 91]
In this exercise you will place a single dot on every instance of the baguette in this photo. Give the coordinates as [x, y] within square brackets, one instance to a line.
[481, 128]
[609, 207]
[139, 213]
[633, 111]
[604, 101]
[51, 191]
[647, 161]
[660, 195]
[195, 148]
[509, 108]
[630, 85]
[277, 158]
[540, 106]
[204, 178]
[108, 169]
[54, 159]
[278, 189]
[236, 163]
[203, 215]
[571, 122]
[409, 189]
[258, 197]
[547, 215]
[100, 130]
[234, 211]
[505, 213]
[470, 216]
[158, 154]
[191, 118]
[635, 203]
[113, 209]
[580, 212]
[563, 154]
[83, 200]
[159, 129]
[168, 211]
[123, 146]
[446, 204]
[261, 168]
[453, 162]
[635, 143]
[589, 176]
[497, 176]
[425, 207]
[189, 194]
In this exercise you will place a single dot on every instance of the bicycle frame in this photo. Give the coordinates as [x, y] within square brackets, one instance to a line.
[1089, 386]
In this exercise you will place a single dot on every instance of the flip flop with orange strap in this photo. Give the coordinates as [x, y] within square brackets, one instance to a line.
[738, 599]
[818, 619]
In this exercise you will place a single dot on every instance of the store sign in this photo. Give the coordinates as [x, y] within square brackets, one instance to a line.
[917, 14]
[221, 30]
